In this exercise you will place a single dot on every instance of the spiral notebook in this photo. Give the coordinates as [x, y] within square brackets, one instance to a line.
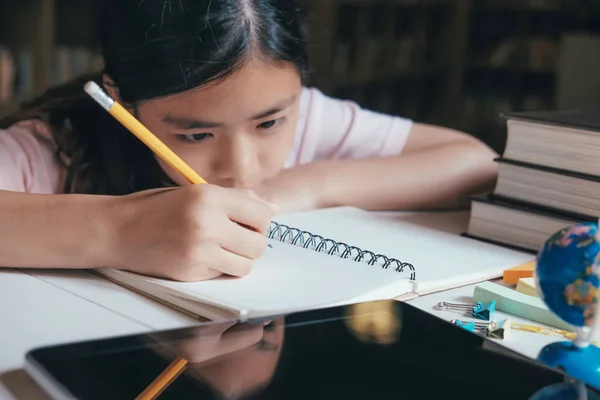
[333, 257]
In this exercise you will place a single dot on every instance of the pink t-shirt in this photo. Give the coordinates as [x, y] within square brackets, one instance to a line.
[327, 129]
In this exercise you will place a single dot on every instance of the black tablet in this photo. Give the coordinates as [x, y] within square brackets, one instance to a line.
[376, 350]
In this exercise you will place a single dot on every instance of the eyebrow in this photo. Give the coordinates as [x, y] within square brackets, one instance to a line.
[190, 123]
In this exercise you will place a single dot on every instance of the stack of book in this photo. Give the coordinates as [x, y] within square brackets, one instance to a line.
[548, 178]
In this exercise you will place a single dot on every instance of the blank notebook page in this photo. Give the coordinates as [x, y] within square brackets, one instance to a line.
[288, 278]
[441, 259]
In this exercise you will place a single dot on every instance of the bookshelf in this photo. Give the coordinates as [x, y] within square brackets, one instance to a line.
[25, 25]
[392, 56]
[513, 52]
[49, 41]
[458, 63]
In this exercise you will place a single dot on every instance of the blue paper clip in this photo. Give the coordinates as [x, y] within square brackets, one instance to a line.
[469, 326]
[479, 310]
[484, 311]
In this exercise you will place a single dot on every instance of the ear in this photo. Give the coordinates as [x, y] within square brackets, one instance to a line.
[113, 90]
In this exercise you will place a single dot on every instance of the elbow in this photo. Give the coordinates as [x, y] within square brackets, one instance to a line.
[485, 161]
[480, 170]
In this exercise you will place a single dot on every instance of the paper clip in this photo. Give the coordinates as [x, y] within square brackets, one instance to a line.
[499, 329]
[479, 310]
[469, 326]
[472, 325]
[494, 329]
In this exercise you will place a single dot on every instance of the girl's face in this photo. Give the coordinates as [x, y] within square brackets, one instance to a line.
[235, 133]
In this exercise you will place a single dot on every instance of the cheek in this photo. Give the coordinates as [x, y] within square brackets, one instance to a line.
[277, 150]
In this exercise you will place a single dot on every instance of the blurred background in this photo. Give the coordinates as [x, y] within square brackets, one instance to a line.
[457, 63]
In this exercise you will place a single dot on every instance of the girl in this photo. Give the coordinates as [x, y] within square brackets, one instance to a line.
[220, 83]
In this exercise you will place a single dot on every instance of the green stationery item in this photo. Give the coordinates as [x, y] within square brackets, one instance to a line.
[518, 304]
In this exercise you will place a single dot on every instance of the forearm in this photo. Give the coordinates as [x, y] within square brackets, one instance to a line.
[53, 231]
[437, 178]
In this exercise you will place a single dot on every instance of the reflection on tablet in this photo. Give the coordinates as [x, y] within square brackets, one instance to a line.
[366, 351]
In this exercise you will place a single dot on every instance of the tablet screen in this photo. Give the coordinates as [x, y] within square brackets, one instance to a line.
[378, 350]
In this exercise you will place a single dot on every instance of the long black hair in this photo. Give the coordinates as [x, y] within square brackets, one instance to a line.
[150, 49]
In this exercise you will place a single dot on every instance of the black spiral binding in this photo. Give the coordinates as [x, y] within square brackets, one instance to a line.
[297, 237]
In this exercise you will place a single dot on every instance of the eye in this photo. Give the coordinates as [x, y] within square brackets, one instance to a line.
[195, 137]
[269, 124]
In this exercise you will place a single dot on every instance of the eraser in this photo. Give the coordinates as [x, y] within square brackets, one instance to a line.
[511, 276]
[518, 304]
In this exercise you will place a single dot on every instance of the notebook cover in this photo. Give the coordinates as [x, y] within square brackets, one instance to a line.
[552, 170]
[524, 206]
[588, 119]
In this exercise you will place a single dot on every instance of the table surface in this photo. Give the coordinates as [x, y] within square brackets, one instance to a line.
[45, 307]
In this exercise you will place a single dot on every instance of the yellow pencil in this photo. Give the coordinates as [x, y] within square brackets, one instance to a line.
[141, 132]
[163, 380]
[155, 144]
[148, 138]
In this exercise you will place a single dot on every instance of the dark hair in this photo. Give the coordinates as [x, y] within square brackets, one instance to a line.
[154, 48]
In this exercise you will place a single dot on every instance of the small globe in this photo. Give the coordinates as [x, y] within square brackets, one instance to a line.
[568, 274]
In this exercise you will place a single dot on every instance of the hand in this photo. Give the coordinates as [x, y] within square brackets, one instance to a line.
[247, 370]
[231, 358]
[212, 341]
[296, 189]
[189, 233]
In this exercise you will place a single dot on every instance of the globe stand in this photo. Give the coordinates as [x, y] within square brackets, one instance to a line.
[567, 390]
[577, 359]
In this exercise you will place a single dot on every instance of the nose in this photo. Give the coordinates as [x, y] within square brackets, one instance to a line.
[237, 162]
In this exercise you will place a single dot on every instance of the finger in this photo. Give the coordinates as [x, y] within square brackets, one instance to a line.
[242, 241]
[216, 328]
[201, 346]
[197, 275]
[237, 339]
[229, 263]
[245, 210]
